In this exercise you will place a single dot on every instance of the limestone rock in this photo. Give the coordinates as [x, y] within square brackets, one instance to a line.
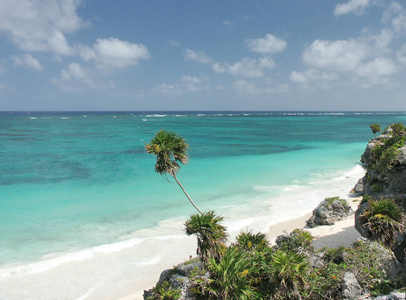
[179, 277]
[329, 211]
[359, 187]
[351, 288]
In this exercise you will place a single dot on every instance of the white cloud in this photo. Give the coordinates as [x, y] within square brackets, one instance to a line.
[113, 53]
[312, 75]
[76, 78]
[353, 6]
[379, 67]
[395, 16]
[29, 61]
[228, 23]
[169, 89]
[245, 87]
[186, 84]
[298, 77]
[247, 67]
[268, 44]
[35, 25]
[338, 55]
[401, 54]
[191, 83]
[198, 56]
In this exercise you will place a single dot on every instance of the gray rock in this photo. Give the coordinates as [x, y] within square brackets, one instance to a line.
[329, 211]
[351, 288]
[392, 296]
[179, 277]
[359, 187]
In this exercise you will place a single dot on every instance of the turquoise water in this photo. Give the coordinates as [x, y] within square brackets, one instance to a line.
[71, 181]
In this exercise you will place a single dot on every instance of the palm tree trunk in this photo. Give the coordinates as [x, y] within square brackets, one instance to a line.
[191, 201]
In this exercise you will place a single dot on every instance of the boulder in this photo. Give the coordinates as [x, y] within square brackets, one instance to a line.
[351, 288]
[359, 187]
[329, 211]
[179, 277]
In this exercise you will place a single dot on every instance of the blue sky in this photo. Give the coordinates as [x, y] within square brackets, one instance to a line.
[202, 55]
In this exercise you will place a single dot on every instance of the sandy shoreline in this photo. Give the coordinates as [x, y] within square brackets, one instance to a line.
[342, 233]
[122, 271]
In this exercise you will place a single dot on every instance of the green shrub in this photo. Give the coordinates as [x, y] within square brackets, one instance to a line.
[377, 188]
[364, 260]
[164, 291]
[397, 128]
[297, 240]
[251, 242]
[383, 220]
[375, 128]
[288, 273]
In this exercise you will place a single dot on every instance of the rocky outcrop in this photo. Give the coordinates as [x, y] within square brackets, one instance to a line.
[329, 211]
[180, 277]
[351, 289]
[389, 182]
[385, 161]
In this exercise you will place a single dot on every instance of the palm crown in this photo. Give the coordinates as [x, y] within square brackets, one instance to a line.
[169, 148]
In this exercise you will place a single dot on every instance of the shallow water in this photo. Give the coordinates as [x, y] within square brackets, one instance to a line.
[70, 182]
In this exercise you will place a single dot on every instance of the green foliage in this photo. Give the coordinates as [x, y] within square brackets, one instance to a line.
[230, 277]
[397, 128]
[375, 128]
[251, 242]
[164, 291]
[363, 260]
[335, 255]
[297, 240]
[377, 188]
[383, 220]
[385, 155]
[210, 234]
[169, 149]
[288, 271]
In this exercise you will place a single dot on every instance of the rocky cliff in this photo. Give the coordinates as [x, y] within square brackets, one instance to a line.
[385, 161]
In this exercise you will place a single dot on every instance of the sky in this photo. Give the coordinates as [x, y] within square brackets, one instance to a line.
[233, 55]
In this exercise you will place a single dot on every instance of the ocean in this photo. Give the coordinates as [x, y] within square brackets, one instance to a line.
[75, 186]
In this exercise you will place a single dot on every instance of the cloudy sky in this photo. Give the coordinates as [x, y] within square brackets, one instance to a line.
[203, 55]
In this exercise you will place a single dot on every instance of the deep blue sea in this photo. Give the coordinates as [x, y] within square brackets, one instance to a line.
[73, 181]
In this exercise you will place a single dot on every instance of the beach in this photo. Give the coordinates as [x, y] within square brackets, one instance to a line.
[88, 218]
[125, 270]
[342, 233]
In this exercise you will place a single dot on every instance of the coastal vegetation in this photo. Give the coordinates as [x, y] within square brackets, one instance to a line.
[250, 268]
[169, 149]
[375, 128]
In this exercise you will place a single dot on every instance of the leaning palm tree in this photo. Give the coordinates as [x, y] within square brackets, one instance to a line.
[211, 235]
[169, 149]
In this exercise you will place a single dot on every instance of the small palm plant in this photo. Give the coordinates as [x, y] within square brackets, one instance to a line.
[169, 149]
[230, 277]
[251, 242]
[384, 220]
[211, 235]
[288, 271]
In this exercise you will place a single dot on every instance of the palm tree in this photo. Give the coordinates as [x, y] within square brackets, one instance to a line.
[169, 149]
[211, 235]
[230, 277]
[252, 242]
[288, 270]
[375, 128]
[384, 219]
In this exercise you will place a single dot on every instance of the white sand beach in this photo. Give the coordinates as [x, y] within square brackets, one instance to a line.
[342, 233]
